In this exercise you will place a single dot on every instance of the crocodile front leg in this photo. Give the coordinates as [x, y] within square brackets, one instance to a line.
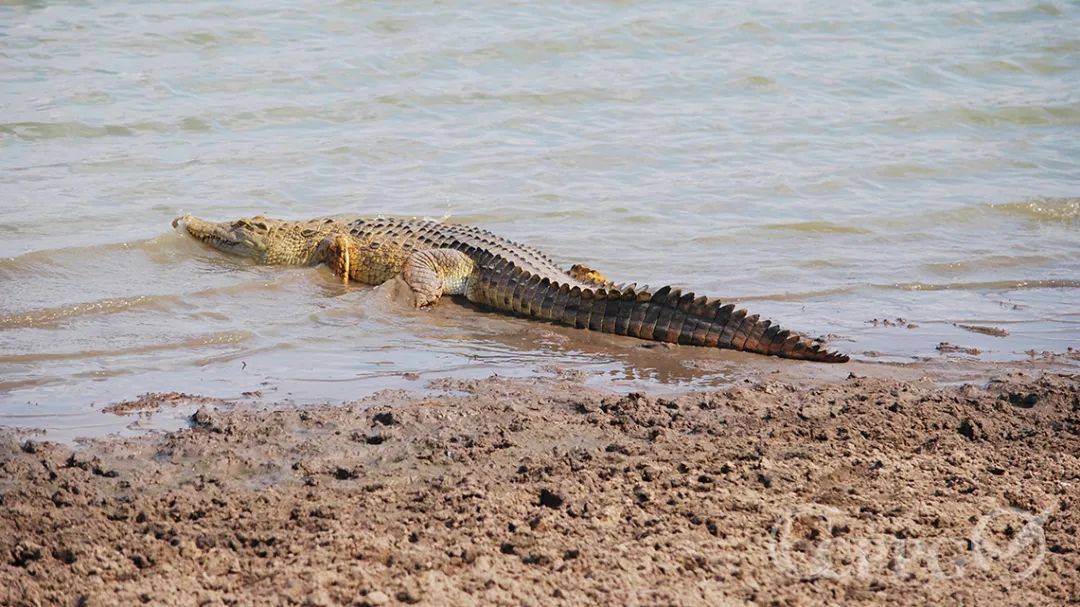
[364, 261]
[430, 273]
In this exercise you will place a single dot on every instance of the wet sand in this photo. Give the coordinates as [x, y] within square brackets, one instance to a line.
[542, 491]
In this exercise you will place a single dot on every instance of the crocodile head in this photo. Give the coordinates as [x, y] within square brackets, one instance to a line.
[267, 241]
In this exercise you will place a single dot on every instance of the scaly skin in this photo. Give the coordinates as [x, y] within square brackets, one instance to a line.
[437, 259]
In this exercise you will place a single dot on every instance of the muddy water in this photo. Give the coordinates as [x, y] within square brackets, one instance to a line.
[828, 166]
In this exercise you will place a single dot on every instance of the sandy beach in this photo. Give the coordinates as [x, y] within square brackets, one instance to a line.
[536, 492]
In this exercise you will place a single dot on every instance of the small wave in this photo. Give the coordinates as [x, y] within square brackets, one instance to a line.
[723, 235]
[567, 96]
[995, 285]
[988, 262]
[212, 339]
[816, 227]
[1041, 209]
[1011, 115]
[820, 264]
[906, 170]
[993, 67]
[1050, 210]
[798, 296]
[991, 285]
[49, 316]
[757, 82]
[985, 67]
[754, 27]
[37, 131]
[1063, 210]
[28, 261]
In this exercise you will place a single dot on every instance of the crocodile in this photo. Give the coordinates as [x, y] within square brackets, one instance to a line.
[437, 258]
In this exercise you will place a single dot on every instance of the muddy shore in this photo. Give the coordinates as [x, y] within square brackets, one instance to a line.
[510, 492]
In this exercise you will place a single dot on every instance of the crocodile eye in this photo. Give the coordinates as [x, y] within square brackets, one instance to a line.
[307, 233]
[261, 226]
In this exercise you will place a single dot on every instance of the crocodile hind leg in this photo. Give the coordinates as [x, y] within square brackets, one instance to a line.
[430, 273]
[586, 274]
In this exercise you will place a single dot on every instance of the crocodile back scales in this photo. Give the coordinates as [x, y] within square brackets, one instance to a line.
[519, 279]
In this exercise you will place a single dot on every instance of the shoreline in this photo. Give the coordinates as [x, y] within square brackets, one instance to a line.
[871, 490]
[632, 366]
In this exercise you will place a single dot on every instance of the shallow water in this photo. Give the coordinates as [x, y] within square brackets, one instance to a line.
[827, 165]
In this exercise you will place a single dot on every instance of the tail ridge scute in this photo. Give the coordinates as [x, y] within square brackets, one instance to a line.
[666, 315]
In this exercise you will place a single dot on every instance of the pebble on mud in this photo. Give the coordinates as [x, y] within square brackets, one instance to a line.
[995, 331]
[203, 418]
[550, 499]
[969, 430]
[385, 418]
[375, 598]
[25, 553]
[1024, 401]
[947, 348]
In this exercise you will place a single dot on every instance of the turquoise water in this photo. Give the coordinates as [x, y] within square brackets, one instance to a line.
[828, 165]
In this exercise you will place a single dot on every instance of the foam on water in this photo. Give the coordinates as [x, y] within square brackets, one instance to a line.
[832, 166]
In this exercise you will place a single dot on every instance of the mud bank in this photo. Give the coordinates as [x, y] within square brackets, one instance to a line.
[867, 491]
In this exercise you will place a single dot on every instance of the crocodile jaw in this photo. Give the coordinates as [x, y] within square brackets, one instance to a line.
[267, 241]
[238, 238]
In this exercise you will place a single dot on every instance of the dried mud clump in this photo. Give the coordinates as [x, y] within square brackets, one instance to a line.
[865, 491]
[152, 401]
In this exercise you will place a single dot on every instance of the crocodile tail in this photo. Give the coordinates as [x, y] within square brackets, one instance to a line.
[667, 315]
